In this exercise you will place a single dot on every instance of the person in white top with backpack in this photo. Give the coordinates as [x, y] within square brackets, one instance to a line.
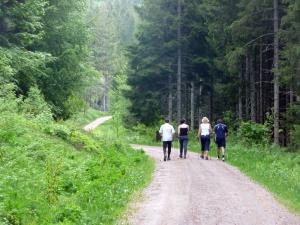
[204, 133]
[167, 132]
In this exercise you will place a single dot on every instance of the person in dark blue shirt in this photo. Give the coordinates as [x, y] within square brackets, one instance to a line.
[221, 133]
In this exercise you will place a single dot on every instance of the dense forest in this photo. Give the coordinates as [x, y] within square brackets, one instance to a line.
[233, 59]
[65, 63]
[238, 60]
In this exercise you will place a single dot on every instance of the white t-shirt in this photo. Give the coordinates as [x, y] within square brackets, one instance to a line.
[167, 131]
[205, 129]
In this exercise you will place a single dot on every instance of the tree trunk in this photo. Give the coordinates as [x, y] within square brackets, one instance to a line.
[200, 103]
[170, 99]
[240, 97]
[105, 105]
[211, 98]
[252, 90]
[276, 74]
[291, 95]
[247, 88]
[261, 111]
[179, 61]
[192, 105]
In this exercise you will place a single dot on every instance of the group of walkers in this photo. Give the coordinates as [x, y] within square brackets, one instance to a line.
[205, 133]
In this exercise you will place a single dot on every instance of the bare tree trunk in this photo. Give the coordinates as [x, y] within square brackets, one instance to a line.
[261, 111]
[252, 90]
[179, 61]
[291, 95]
[240, 97]
[105, 98]
[247, 87]
[192, 105]
[200, 103]
[170, 99]
[276, 74]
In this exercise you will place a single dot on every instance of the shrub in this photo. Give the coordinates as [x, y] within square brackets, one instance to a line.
[8, 100]
[231, 120]
[295, 141]
[253, 133]
[35, 106]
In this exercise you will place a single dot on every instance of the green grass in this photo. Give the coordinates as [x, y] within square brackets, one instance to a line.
[54, 174]
[273, 167]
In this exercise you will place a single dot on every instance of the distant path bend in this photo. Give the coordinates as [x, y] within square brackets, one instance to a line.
[97, 123]
[200, 192]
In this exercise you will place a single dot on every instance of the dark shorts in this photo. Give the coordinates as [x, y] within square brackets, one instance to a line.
[205, 142]
[221, 142]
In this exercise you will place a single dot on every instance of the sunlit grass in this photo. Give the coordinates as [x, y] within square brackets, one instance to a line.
[60, 175]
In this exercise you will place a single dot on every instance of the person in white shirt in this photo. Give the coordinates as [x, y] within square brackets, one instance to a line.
[167, 132]
[204, 135]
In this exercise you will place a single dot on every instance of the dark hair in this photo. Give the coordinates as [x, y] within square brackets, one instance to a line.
[167, 120]
[220, 121]
[182, 121]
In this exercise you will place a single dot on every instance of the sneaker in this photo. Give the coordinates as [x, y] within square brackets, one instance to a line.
[206, 158]
[223, 159]
[202, 157]
[218, 157]
[169, 158]
[180, 156]
[165, 158]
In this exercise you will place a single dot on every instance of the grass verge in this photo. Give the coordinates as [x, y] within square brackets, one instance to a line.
[55, 174]
[273, 167]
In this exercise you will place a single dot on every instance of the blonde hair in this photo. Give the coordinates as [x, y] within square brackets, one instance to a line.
[205, 120]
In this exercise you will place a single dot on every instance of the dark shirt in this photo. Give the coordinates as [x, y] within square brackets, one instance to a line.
[183, 131]
[221, 130]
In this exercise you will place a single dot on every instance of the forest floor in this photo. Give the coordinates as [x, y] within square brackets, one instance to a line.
[195, 191]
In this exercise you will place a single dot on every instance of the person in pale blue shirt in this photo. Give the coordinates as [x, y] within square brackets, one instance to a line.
[167, 133]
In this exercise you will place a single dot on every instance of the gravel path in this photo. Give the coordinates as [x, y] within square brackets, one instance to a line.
[96, 123]
[195, 191]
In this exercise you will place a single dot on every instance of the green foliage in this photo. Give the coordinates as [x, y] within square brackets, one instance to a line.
[21, 22]
[290, 55]
[273, 167]
[6, 71]
[253, 133]
[45, 44]
[293, 124]
[295, 141]
[231, 120]
[57, 175]
[35, 106]
[74, 104]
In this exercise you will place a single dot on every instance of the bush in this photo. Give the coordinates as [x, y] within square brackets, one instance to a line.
[73, 105]
[8, 100]
[231, 120]
[35, 106]
[295, 140]
[253, 133]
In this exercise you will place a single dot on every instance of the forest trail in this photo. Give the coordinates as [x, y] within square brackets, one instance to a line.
[196, 192]
[93, 125]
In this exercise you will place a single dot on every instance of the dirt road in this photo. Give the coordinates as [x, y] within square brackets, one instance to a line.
[195, 191]
[96, 123]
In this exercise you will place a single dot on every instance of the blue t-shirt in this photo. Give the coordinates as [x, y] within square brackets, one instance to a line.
[221, 130]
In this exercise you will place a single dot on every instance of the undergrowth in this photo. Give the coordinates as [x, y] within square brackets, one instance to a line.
[54, 173]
